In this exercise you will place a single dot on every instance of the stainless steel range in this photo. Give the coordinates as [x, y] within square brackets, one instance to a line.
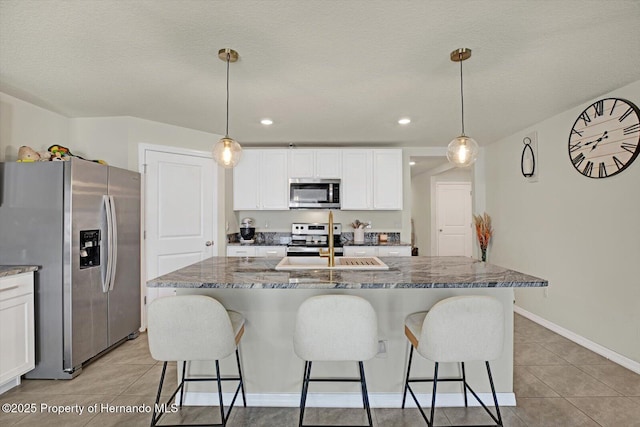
[308, 239]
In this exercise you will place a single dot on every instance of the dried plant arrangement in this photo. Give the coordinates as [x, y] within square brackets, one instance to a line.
[483, 232]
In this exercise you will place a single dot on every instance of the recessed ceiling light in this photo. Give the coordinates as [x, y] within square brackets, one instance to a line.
[412, 163]
[404, 121]
[266, 122]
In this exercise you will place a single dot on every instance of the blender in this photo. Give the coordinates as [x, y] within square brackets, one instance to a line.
[247, 231]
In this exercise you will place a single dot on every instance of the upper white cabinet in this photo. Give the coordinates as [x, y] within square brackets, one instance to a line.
[387, 179]
[372, 179]
[261, 180]
[320, 163]
[357, 165]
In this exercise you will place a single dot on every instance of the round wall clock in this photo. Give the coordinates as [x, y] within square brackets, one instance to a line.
[605, 138]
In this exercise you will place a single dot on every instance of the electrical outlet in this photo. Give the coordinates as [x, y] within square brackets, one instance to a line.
[382, 349]
[370, 224]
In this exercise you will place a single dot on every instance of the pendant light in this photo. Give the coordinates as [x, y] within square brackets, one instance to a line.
[227, 151]
[462, 151]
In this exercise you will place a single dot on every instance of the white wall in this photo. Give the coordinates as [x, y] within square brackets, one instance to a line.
[581, 234]
[22, 123]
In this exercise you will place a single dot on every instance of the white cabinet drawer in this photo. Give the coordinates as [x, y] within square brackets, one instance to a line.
[394, 251]
[360, 251]
[270, 251]
[241, 251]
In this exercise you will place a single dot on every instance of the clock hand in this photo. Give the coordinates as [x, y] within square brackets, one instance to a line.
[604, 136]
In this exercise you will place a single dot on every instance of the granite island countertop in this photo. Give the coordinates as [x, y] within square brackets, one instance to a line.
[12, 270]
[404, 272]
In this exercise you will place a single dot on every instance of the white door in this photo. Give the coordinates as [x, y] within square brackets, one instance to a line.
[180, 197]
[453, 219]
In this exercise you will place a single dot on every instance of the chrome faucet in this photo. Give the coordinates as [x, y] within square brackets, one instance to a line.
[330, 252]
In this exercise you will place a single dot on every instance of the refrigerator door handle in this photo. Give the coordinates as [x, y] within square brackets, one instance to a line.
[106, 269]
[114, 242]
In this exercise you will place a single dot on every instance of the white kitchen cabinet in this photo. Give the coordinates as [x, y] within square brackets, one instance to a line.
[246, 181]
[241, 251]
[360, 251]
[357, 190]
[312, 163]
[372, 179]
[256, 251]
[261, 180]
[394, 250]
[270, 251]
[377, 251]
[387, 179]
[17, 334]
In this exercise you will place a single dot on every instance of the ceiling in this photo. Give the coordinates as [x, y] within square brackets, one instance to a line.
[326, 72]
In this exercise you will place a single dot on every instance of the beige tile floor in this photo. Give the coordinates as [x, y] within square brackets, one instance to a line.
[557, 383]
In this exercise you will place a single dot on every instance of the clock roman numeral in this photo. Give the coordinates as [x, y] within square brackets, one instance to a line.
[585, 118]
[602, 170]
[578, 160]
[574, 147]
[577, 132]
[599, 108]
[631, 129]
[629, 147]
[618, 163]
[625, 115]
[588, 168]
[613, 107]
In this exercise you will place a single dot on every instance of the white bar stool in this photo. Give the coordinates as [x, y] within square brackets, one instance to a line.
[457, 329]
[335, 328]
[194, 327]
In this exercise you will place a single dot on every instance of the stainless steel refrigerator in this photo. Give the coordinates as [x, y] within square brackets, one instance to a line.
[79, 221]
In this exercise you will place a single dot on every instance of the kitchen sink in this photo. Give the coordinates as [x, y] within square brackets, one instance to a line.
[321, 263]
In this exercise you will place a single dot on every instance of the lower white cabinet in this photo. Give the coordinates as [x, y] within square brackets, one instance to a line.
[17, 334]
[271, 251]
[360, 251]
[377, 251]
[394, 250]
[257, 251]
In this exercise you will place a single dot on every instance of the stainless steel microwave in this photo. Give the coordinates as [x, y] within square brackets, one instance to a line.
[314, 193]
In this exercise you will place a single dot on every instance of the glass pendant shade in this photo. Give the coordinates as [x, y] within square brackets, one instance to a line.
[462, 151]
[227, 152]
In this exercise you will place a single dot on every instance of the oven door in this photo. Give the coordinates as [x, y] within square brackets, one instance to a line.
[314, 194]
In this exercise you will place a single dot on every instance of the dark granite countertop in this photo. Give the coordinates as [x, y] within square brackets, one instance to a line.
[404, 272]
[256, 244]
[12, 270]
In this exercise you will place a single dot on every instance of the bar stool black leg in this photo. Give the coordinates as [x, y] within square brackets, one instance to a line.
[406, 381]
[219, 381]
[155, 411]
[433, 397]
[182, 390]
[464, 385]
[365, 395]
[493, 392]
[244, 399]
[305, 388]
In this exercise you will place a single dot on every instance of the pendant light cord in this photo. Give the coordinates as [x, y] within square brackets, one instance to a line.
[461, 93]
[227, 128]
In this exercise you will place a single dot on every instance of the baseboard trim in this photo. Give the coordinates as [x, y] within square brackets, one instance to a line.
[346, 400]
[6, 386]
[621, 360]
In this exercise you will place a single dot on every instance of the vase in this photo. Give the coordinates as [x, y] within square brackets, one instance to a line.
[484, 254]
[358, 235]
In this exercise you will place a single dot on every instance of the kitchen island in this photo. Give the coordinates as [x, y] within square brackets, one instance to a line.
[269, 299]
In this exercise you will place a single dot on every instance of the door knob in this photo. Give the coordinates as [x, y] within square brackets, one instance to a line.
[441, 230]
[209, 243]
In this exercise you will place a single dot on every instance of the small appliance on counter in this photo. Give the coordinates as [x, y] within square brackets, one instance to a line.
[247, 231]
